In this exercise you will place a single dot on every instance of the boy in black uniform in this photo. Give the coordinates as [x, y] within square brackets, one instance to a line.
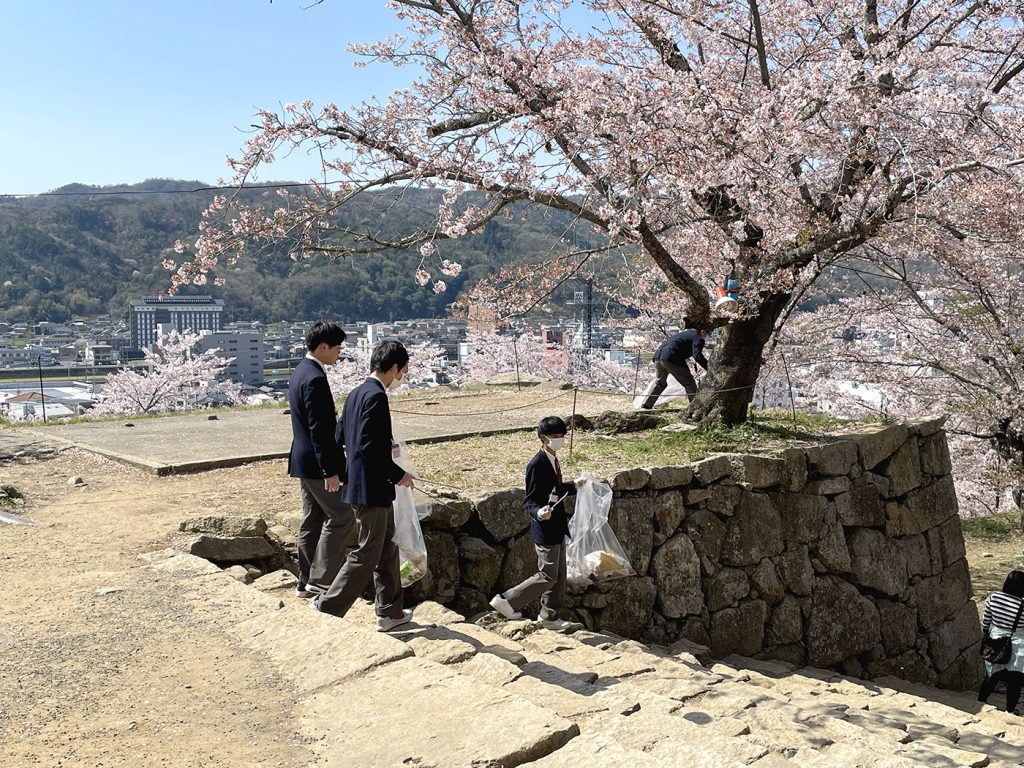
[549, 526]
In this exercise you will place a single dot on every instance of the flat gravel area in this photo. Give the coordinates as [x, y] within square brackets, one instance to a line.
[196, 442]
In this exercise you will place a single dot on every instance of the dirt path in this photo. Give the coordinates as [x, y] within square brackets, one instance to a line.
[104, 664]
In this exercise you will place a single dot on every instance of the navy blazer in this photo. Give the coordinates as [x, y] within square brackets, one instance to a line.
[314, 452]
[681, 346]
[364, 432]
[541, 482]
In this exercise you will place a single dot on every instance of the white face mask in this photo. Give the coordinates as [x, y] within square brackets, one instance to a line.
[554, 443]
[395, 383]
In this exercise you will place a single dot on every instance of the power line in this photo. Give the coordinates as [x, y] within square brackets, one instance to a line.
[101, 193]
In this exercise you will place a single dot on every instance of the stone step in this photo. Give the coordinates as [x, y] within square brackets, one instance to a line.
[786, 712]
[363, 697]
[540, 697]
[918, 709]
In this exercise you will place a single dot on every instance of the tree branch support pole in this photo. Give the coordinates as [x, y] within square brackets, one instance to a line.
[636, 374]
[572, 424]
[789, 384]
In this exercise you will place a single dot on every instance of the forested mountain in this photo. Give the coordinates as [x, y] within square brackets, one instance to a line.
[90, 250]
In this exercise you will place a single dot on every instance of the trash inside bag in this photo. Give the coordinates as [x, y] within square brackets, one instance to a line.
[593, 552]
[411, 571]
[607, 565]
[412, 548]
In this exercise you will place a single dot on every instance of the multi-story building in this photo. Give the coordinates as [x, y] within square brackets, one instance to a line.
[195, 313]
[100, 354]
[18, 357]
[246, 347]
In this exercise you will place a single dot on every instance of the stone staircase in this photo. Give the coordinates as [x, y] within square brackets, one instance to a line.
[449, 692]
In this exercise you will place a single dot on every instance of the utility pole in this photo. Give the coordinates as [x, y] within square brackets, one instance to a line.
[42, 395]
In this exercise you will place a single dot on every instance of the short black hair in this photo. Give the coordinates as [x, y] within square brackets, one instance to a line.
[388, 354]
[1014, 584]
[551, 425]
[325, 332]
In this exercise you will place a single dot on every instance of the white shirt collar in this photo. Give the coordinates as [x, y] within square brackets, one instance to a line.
[551, 458]
[311, 356]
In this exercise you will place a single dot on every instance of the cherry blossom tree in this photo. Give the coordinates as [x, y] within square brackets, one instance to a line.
[353, 367]
[757, 140]
[350, 371]
[495, 354]
[944, 336]
[177, 377]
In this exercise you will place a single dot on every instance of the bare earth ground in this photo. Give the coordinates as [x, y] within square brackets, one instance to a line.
[103, 665]
[98, 667]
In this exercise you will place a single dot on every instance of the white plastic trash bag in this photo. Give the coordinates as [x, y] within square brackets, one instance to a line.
[593, 552]
[412, 549]
[672, 391]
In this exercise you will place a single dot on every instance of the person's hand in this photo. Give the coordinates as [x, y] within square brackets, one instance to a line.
[332, 484]
[544, 513]
[581, 481]
[406, 481]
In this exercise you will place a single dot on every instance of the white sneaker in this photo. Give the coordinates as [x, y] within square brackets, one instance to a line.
[560, 625]
[387, 623]
[504, 607]
[303, 590]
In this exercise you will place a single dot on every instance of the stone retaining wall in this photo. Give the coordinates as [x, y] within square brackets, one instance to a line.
[847, 554]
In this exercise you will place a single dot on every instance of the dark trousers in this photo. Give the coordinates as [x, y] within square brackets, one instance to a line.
[1014, 681]
[548, 583]
[376, 557]
[682, 375]
[324, 534]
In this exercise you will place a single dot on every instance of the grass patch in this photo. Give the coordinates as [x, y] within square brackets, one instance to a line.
[500, 460]
[998, 527]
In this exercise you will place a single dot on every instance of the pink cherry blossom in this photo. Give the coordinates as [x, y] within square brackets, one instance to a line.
[763, 140]
[177, 377]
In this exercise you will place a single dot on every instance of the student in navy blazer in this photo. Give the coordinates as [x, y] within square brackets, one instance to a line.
[671, 359]
[549, 527]
[365, 433]
[317, 461]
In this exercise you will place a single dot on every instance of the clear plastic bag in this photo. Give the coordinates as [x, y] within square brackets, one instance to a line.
[593, 552]
[673, 390]
[412, 548]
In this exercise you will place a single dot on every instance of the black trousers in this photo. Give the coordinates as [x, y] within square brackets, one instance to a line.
[1014, 681]
[681, 373]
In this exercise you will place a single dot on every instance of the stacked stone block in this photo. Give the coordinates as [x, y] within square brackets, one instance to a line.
[847, 554]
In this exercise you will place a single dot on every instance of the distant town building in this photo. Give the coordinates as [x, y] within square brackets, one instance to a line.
[100, 354]
[195, 313]
[19, 357]
[246, 347]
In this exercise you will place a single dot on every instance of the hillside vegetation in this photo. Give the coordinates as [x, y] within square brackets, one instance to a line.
[90, 250]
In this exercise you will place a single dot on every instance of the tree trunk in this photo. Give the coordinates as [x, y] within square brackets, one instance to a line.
[727, 390]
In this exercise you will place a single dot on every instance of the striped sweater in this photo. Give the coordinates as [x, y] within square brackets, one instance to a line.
[1001, 609]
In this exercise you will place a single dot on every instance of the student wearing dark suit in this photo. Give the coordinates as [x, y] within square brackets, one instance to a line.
[365, 433]
[549, 526]
[317, 461]
[671, 357]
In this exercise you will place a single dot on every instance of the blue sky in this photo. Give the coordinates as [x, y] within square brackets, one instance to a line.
[112, 91]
